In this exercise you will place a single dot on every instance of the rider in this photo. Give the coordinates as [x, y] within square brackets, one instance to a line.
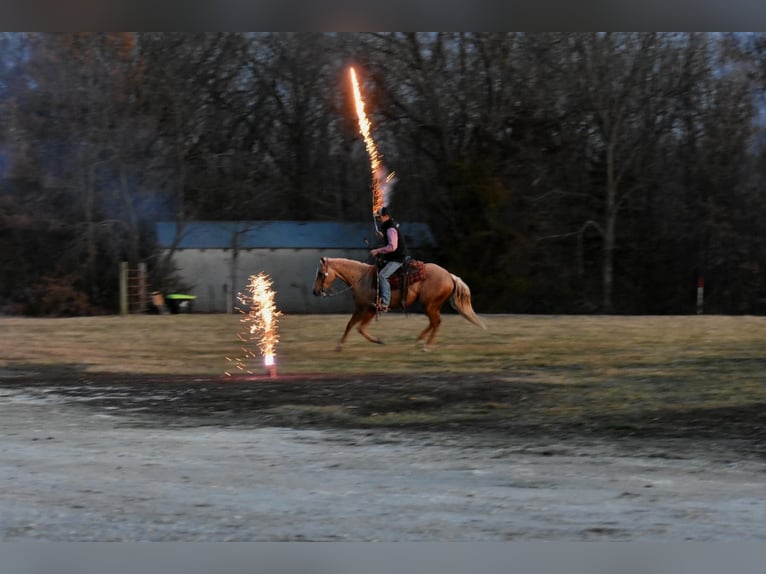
[392, 254]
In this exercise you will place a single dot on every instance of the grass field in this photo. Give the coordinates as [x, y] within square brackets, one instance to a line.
[576, 368]
[726, 351]
[589, 346]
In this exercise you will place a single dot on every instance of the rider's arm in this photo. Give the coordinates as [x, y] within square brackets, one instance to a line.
[393, 242]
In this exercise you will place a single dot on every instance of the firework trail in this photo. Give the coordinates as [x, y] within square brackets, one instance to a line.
[382, 180]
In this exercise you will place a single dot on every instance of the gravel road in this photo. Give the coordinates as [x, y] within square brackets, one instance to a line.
[76, 466]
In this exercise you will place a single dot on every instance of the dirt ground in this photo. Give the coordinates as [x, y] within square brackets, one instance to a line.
[407, 458]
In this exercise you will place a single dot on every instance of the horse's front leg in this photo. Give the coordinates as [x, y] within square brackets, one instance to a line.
[366, 316]
[351, 322]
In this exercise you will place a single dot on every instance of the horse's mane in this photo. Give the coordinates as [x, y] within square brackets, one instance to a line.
[360, 264]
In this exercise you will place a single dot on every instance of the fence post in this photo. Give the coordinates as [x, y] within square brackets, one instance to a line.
[123, 287]
[142, 294]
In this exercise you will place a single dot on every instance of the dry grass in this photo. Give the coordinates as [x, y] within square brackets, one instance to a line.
[558, 349]
[590, 347]
[580, 366]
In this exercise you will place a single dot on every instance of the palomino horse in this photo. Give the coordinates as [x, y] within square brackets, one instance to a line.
[437, 286]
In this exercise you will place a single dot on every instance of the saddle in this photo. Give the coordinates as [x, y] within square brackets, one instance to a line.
[410, 272]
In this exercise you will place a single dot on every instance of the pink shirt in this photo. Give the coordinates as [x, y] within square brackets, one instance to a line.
[393, 241]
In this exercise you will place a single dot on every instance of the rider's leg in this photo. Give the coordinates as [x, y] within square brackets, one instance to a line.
[384, 286]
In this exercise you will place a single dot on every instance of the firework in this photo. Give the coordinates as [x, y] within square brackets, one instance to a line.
[261, 324]
[382, 181]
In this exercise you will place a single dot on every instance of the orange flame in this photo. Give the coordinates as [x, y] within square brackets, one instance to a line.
[381, 181]
[261, 321]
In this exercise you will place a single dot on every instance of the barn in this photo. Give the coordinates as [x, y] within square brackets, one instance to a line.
[216, 258]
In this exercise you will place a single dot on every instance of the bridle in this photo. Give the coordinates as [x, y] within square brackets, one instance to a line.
[324, 274]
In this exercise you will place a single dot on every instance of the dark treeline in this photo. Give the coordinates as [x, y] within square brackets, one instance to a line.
[559, 172]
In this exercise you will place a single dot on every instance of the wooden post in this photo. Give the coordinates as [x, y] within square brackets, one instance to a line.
[700, 295]
[123, 288]
[142, 294]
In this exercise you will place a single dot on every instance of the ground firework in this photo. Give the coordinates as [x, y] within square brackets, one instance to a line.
[260, 319]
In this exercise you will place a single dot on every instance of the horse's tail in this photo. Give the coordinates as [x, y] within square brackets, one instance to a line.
[460, 299]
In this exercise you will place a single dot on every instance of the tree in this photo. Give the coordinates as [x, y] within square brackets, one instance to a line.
[560, 172]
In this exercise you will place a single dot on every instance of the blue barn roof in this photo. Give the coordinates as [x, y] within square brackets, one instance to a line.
[282, 234]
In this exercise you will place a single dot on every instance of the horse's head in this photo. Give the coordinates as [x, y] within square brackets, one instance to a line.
[325, 276]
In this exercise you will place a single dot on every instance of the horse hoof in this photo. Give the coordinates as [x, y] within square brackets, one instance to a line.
[339, 348]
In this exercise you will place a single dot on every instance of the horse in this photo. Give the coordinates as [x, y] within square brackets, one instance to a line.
[437, 286]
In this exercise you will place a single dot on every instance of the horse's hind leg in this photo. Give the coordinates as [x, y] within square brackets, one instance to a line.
[434, 321]
[424, 332]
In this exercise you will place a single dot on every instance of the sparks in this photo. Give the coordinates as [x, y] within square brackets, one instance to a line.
[261, 322]
[382, 181]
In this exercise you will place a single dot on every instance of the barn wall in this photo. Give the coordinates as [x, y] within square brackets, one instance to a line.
[209, 272]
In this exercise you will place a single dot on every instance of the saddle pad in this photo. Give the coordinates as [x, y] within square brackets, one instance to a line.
[415, 273]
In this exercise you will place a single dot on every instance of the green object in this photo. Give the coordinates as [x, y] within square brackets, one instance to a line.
[179, 302]
[180, 297]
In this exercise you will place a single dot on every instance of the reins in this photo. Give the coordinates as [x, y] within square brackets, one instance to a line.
[350, 285]
[336, 293]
